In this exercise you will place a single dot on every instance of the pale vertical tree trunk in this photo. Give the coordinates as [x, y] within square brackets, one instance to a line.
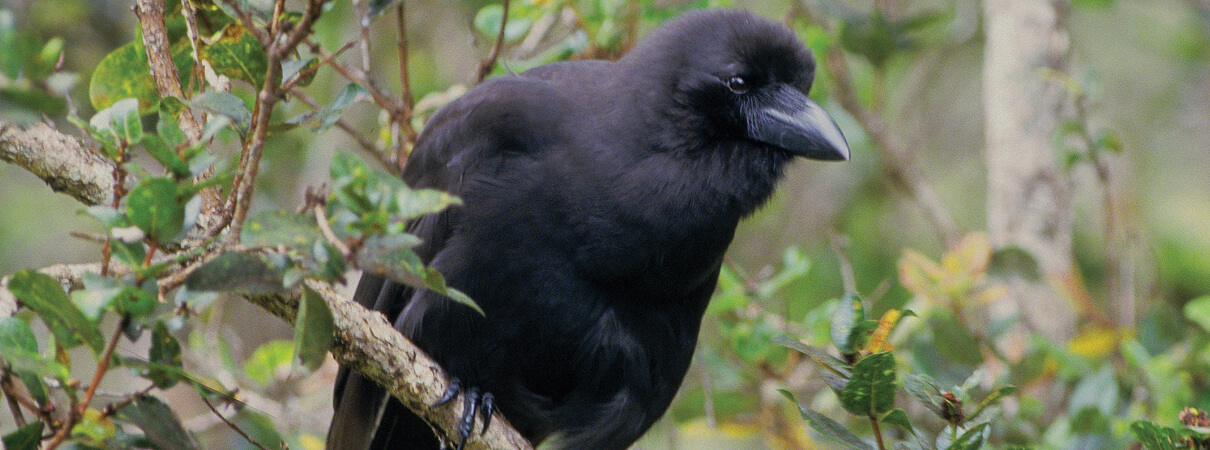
[1029, 200]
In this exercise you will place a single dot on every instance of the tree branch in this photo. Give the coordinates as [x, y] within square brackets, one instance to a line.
[363, 340]
[367, 344]
[159, 57]
[65, 163]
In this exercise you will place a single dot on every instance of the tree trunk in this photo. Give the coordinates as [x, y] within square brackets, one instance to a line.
[1029, 200]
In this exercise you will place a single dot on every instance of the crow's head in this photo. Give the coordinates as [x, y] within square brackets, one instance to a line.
[744, 77]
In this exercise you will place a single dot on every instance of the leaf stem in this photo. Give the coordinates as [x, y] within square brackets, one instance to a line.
[877, 432]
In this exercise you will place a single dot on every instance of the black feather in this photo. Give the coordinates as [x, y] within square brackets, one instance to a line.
[599, 198]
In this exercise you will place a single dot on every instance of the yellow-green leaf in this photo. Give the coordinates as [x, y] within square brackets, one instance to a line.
[236, 54]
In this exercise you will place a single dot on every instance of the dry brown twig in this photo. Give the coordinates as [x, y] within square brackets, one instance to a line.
[486, 66]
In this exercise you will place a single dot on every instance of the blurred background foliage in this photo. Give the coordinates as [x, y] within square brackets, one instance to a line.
[1143, 65]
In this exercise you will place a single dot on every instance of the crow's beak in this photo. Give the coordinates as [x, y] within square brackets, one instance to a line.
[787, 118]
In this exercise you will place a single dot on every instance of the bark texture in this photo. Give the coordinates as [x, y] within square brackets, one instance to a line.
[1029, 199]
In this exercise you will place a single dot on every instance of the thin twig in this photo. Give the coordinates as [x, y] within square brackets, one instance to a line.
[840, 245]
[78, 409]
[877, 433]
[405, 86]
[321, 219]
[232, 425]
[1119, 275]
[382, 99]
[306, 72]
[245, 179]
[102, 366]
[15, 401]
[113, 408]
[249, 24]
[364, 30]
[163, 71]
[486, 66]
[345, 126]
[194, 35]
[406, 102]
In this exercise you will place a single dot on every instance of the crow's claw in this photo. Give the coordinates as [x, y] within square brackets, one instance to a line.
[450, 392]
[487, 407]
[472, 402]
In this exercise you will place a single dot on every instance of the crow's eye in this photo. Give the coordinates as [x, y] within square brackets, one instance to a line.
[737, 84]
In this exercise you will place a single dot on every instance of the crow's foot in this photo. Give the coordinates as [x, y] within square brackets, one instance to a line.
[473, 402]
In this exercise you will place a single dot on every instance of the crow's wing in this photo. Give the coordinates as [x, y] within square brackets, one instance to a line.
[500, 119]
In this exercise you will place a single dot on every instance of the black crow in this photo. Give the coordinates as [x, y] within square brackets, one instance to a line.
[599, 198]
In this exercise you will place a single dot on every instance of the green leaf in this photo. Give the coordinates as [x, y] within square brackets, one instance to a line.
[138, 302]
[392, 258]
[246, 273]
[282, 228]
[98, 293]
[25, 438]
[846, 324]
[167, 127]
[1109, 140]
[925, 390]
[259, 427]
[268, 360]
[17, 337]
[121, 120]
[225, 104]
[108, 216]
[752, 341]
[26, 362]
[871, 390]
[827, 427]
[833, 364]
[292, 67]
[320, 121]
[237, 54]
[216, 124]
[165, 351]
[992, 399]
[11, 58]
[972, 439]
[157, 208]
[1198, 311]
[127, 244]
[795, 266]
[312, 330]
[732, 293]
[166, 156]
[1155, 437]
[159, 423]
[93, 429]
[899, 418]
[123, 73]
[420, 202]
[329, 264]
[43, 294]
